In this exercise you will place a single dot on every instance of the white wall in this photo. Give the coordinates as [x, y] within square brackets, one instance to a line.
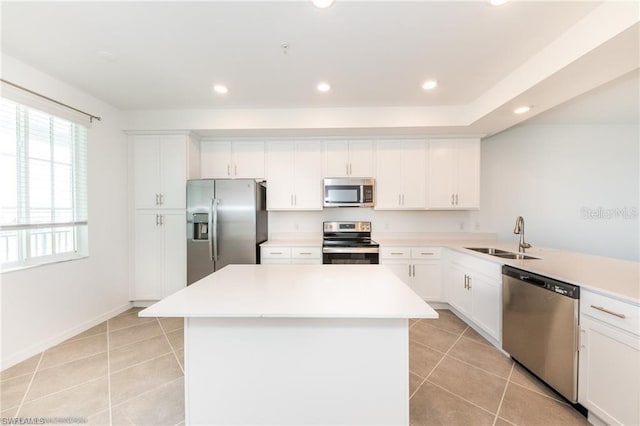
[398, 223]
[550, 173]
[45, 305]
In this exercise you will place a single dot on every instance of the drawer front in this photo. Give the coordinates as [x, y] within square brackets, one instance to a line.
[611, 311]
[395, 252]
[425, 253]
[306, 252]
[275, 252]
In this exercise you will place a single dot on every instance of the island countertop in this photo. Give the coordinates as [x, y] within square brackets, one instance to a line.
[295, 291]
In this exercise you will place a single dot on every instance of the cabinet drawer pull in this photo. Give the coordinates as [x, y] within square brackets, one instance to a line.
[306, 252]
[275, 252]
[427, 254]
[396, 254]
[600, 308]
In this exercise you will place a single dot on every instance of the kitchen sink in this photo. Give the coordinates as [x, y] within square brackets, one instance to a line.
[489, 250]
[504, 254]
[518, 256]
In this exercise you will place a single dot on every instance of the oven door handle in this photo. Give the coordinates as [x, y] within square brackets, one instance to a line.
[350, 250]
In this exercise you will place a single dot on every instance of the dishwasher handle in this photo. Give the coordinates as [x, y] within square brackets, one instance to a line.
[531, 280]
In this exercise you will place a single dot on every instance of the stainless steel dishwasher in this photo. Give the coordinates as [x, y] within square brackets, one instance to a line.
[540, 327]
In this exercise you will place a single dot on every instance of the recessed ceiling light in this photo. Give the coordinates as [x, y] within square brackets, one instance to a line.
[220, 88]
[522, 109]
[497, 2]
[430, 84]
[323, 87]
[322, 4]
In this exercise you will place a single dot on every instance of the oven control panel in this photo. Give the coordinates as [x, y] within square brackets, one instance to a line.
[347, 226]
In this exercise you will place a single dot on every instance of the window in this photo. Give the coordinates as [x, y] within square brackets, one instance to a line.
[43, 199]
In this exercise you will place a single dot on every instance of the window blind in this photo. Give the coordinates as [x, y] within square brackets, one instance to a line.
[43, 167]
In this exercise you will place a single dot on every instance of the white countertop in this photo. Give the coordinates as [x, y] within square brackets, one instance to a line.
[295, 291]
[307, 242]
[612, 277]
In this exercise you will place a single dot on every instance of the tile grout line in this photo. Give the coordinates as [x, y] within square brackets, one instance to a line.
[438, 363]
[33, 376]
[109, 376]
[542, 394]
[460, 397]
[171, 346]
[504, 392]
[148, 391]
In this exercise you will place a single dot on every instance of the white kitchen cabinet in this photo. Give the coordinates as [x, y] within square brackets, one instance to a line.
[159, 253]
[237, 159]
[294, 175]
[401, 175]
[609, 360]
[418, 267]
[301, 255]
[348, 158]
[160, 166]
[474, 288]
[454, 174]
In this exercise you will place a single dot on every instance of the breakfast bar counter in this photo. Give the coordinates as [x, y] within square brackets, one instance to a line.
[296, 344]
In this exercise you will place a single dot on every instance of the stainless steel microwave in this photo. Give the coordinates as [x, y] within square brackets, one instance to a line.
[348, 192]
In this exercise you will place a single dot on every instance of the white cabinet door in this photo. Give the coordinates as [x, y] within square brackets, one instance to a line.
[609, 372]
[467, 178]
[361, 159]
[454, 174]
[307, 176]
[174, 245]
[336, 158]
[279, 162]
[413, 175]
[147, 184]
[427, 280]
[147, 278]
[389, 172]
[440, 174]
[401, 270]
[174, 171]
[248, 159]
[459, 294]
[215, 159]
[486, 304]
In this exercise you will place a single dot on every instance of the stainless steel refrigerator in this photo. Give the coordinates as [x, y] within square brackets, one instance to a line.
[226, 222]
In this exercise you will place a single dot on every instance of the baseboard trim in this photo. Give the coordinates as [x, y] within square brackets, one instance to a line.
[41, 346]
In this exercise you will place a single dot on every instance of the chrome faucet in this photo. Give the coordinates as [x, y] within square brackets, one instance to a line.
[519, 229]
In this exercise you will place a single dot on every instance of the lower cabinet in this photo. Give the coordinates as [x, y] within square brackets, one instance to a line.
[418, 267]
[609, 363]
[474, 288]
[301, 255]
[160, 254]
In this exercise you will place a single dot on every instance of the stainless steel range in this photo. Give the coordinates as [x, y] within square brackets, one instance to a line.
[349, 243]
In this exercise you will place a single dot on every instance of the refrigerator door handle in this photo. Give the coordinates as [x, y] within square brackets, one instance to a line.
[214, 229]
[209, 230]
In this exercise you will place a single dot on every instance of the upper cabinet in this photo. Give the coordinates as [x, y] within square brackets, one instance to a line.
[348, 158]
[401, 175]
[237, 159]
[454, 174]
[160, 170]
[294, 175]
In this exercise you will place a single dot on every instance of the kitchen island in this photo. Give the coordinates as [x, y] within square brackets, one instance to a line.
[296, 344]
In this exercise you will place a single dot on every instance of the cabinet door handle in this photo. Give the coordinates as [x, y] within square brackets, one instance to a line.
[161, 219]
[161, 199]
[606, 311]
[452, 200]
[399, 199]
[157, 219]
[414, 270]
[409, 270]
[235, 170]
[456, 199]
[403, 199]
[466, 281]
[350, 168]
[347, 168]
[228, 169]
[469, 285]
[157, 199]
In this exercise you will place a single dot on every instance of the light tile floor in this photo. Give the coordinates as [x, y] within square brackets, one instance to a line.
[129, 371]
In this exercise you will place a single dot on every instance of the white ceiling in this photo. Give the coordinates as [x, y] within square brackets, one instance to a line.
[167, 55]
